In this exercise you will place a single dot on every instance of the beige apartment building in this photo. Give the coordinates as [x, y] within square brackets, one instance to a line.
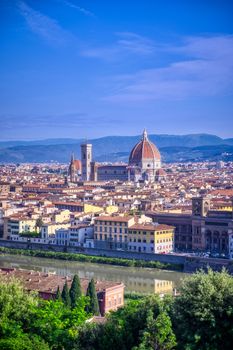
[17, 224]
[110, 232]
[136, 234]
[151, 238]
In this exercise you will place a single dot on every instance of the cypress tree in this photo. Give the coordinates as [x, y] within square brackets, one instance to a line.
[75, 291]
[65, 295]
[58, 294]
[93, 306]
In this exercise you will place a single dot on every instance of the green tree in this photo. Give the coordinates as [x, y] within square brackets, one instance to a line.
[203, 313]
[57, 324]
[124, 327]
[23, 342]
[15, 307]
[158, 334]
[58, 294]
[75, 291]
[93, 306]
[39, 222]
[65, 295]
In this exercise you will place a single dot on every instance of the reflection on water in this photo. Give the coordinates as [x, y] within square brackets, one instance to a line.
[135, 279]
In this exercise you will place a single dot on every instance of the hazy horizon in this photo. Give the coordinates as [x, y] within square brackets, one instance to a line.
[93, 138]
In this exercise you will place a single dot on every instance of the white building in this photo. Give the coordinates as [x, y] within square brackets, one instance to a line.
[75, 236]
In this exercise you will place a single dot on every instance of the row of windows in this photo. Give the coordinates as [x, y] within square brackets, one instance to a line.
[141, 232]
[110, 230]
[151, 232]
[111, 223]
[139, 240]
[105, 237]
[166, 247]
[165, 240]
[114, 302]
[139, 249]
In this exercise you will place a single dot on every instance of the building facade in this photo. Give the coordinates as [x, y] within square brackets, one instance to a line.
[144, 161]
[144, 165]
[204, 230]
[149, 238]
[137, 234]
[86, 159]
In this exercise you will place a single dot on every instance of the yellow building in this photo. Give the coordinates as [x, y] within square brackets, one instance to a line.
[151, 238]
[50, 228]
[63, 215]
[111, 232]
[17, 224]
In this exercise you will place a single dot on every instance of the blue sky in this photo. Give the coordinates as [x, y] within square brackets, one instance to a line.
[88, 68]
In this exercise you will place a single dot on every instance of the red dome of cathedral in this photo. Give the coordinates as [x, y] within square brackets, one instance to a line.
[144, 150]
[77, 164]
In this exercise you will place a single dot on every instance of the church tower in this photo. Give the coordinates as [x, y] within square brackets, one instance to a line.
[86, 159]
[72, 169]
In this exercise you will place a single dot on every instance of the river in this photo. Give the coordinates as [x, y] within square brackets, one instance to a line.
[143, 280]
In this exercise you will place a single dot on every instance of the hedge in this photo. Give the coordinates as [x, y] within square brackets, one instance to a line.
[93, 259]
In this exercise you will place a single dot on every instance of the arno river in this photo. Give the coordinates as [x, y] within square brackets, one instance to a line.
[135, 279]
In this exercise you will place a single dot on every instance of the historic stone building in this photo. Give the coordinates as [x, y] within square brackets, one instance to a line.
[86, 159]
[75, 169]
[144, 165]
[203, 230]
[144, 160]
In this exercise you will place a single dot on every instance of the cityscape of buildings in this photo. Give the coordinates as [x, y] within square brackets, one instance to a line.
[140, 207]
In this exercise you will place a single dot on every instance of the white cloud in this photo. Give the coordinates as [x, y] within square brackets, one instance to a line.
[79, 8]
[126, 43]
[206, 69]
[43, 26]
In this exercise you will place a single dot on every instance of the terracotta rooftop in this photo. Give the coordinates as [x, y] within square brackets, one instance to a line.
[47, 282]
[114, 218]
[150, 227]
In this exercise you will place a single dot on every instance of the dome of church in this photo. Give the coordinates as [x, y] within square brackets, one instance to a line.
[143, 151]
[77, 164]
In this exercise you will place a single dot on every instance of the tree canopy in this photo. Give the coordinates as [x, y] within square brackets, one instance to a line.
[75, 291]
[200, 318]
[93, 305]
[203, 313]
[66, 295]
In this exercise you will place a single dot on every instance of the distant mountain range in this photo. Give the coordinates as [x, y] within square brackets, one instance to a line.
[174, 148]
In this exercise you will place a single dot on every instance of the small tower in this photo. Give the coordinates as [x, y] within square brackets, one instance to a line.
[200, 206]
[72, 174]
[86, 159]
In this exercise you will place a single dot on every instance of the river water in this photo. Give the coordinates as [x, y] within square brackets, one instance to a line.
[143, 280]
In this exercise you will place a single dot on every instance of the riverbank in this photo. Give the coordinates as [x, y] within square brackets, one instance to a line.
[93, 259]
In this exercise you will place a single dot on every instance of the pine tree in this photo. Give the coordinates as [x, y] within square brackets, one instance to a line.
[93, 306]
[75, 291]
[58, 294]
[65, 295]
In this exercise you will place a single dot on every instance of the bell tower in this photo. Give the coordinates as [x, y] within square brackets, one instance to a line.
[86, 159]
[200, 206]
